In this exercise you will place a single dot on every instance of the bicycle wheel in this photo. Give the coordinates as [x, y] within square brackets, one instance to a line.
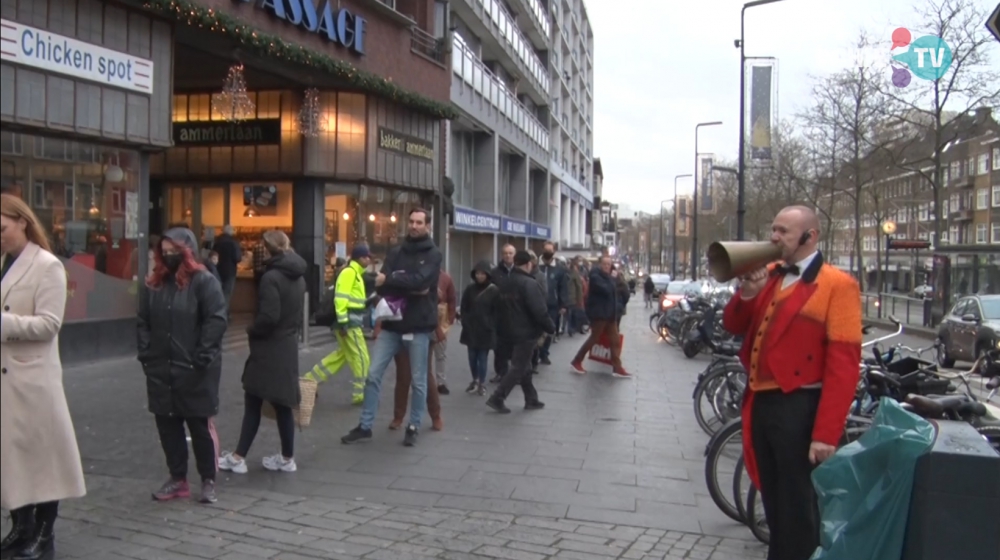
[711, 393]
[756, 519]
[741, 486]
[717, 470]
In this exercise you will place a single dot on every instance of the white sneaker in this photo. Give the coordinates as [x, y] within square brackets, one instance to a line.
[279, 463]
[229, 463]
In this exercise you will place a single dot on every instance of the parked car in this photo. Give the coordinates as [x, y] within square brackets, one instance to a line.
[969, 329]
[923, 291]
[660, 281]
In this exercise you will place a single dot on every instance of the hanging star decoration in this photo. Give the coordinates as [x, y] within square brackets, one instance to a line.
[271, 46]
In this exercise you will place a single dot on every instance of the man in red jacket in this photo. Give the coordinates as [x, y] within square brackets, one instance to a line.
[801, 323]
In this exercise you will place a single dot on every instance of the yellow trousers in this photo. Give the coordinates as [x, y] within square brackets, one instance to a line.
[351, 350]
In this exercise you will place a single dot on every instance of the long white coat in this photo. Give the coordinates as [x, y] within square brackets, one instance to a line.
[39, 457]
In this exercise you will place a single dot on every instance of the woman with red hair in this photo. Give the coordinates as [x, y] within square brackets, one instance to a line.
[182, 320]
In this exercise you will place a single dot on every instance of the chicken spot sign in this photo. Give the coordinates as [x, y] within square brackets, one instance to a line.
[338, 25]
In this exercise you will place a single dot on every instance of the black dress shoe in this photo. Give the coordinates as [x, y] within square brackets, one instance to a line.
[21, 531]
[41, 545]
[536, 405]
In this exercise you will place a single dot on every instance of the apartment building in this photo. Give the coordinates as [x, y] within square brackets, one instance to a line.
[898, 193]
[516, 68]
[572, 122]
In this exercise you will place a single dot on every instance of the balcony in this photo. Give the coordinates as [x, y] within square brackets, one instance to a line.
[541, 27]
[517, 47]
[427, 45]
[961, 215]
[480, 93]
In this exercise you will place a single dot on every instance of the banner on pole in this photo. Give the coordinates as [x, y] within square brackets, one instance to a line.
[706, 193]
[763, 110]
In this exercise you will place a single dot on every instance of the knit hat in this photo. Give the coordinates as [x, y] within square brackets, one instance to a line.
[360, 252]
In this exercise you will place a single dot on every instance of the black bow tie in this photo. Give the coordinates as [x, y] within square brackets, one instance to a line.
[784, 269]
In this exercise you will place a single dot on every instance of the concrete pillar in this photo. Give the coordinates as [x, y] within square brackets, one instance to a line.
[308, 227]
[520, 177]
[484, 193]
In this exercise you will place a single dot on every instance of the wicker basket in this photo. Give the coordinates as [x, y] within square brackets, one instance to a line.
[303, 414]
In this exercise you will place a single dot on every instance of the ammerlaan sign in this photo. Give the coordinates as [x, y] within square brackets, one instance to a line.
[336, 24]
[256, 132]
[37, 48]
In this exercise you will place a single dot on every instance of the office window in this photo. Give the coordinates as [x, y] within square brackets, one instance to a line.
[980, 233]
[984, 164]
[956, 170]
[996, 159]
[971, 167]
[982, 199]
[953, 234]
[996, 233]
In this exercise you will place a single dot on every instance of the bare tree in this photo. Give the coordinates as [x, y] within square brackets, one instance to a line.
[925, 106]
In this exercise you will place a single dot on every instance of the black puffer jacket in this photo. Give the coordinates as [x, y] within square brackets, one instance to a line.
[410, 268]
[180, 341]
[478, 310]
[272, 369]
[522, 309]
[602, 297]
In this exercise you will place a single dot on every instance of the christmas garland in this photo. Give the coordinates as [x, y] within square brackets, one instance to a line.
[272, 46]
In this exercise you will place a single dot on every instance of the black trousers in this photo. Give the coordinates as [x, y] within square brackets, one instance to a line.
[520, 373]
[781, 432]
[252, 406]
[501, 358]
[204, 440]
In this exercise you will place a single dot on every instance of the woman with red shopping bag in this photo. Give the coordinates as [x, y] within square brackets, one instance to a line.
[603, 301]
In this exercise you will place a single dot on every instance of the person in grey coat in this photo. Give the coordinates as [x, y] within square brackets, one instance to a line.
[271, 373]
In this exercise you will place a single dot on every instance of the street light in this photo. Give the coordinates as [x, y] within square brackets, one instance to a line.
[673, 230]
[695, 259]
[741, 209]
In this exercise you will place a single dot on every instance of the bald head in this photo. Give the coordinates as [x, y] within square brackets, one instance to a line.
[796, 229]
[804, 215]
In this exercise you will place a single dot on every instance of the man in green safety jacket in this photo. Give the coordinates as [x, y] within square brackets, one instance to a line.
[352, 349]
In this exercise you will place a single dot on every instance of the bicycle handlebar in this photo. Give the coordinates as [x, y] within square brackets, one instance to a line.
[899, 331]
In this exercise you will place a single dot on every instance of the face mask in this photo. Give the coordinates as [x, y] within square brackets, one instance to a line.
[547, 255]
[172, 262]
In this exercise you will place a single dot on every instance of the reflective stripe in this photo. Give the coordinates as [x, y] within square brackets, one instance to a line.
[349, 297]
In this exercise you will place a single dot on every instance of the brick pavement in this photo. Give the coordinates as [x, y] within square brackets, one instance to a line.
[610, 469]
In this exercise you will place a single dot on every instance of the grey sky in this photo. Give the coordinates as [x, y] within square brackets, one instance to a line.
[663, 66]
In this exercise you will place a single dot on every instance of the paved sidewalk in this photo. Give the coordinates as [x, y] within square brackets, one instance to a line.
[611, 468]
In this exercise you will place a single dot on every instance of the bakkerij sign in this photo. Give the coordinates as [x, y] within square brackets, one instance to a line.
[336, 24]
[473, 220]
[405, 144]
[37, 48]
[541, 232]
[514, 227]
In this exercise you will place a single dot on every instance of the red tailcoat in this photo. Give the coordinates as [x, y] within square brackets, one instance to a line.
[815, 337]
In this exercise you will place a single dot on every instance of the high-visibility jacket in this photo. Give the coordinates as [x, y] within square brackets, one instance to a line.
[349, 295]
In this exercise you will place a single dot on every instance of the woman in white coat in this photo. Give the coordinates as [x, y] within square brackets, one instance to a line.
[39, 457]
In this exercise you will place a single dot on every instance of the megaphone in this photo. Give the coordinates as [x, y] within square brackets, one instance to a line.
[731, 259]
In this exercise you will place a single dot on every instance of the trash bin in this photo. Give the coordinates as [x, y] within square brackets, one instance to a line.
[956, 497]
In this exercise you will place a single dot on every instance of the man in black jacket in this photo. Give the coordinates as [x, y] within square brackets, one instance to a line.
[523, 318]
[557, 298]
[501, 356]
[409, 277]
[230, 255]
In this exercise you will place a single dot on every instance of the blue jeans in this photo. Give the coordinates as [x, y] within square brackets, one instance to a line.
[387, 345]
[478, 359]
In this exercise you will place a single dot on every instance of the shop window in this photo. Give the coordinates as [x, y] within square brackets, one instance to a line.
[351, 134]
[87, 198]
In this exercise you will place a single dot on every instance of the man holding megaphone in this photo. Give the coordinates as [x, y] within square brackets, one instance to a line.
[801, 323]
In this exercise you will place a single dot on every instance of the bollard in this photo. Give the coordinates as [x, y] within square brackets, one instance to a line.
[305, 319]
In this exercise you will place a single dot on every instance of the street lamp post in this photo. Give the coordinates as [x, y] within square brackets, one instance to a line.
[673, 230]
[741, 209]
[663, 227]
[695, 259]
